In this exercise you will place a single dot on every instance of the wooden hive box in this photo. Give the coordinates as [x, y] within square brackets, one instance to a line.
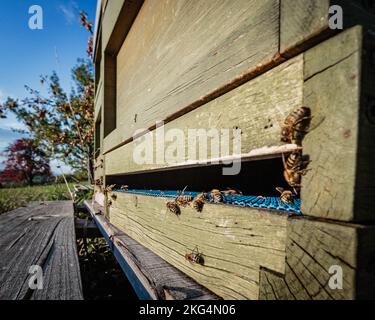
[245, 65]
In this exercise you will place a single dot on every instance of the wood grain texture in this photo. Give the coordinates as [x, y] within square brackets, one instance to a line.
[258, 108]
[109, 19]
[300, 21]
[338, 185]
[179, 51]
[312, 248]
[147, 270]
[41, 235]
[235, 241]
[305, 23]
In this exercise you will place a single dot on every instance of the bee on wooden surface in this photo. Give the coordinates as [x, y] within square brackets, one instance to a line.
[114, 196]
[231, 191]
[109, 188]
[195, 257]
[295, 125]
[217, 196]
[201, 197]
[286, 196]
[198, 202]
[99, 182]
[294, 169]
[198, 205]
[184, 200]
[173, 207]
[124, 187]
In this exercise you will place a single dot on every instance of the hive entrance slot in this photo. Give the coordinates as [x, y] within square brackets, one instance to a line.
[255, 178]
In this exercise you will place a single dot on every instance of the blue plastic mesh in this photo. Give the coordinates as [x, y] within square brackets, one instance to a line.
[237, 200]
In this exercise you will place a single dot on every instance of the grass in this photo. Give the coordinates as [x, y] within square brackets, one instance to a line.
[14, 198]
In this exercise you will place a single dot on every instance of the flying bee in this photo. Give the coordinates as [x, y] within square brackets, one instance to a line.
[217, 196]
[294, 169]
[173, 207]
[195, 257]
[184, 200]
[296, 125]
[286, 195]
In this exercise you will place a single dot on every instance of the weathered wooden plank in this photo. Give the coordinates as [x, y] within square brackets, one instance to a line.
[151, 276]
[258, 108]
[40, 235]
[312, 249]
[304, 23]
[180, 51]
[341, 142]
[301, 20]
[235, 241]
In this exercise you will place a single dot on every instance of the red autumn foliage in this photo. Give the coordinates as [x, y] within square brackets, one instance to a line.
[25, 161]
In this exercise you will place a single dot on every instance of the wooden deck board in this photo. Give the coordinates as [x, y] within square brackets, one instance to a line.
[151, 276]
[44, 235]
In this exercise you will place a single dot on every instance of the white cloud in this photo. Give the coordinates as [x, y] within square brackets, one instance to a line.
[70, 12]
[11, 123]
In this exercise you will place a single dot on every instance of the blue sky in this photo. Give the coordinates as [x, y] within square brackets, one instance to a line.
[26, 54]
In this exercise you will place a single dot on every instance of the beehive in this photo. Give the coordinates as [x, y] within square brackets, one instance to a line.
[245, 65]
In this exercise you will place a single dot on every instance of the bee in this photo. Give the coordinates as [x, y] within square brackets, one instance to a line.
[109, 188]
[201, 197]
[296, 125]
[125, 187]
[294, 169]
[184, 200]
[114, 196]
[286, 195]
[173, 207]
[198, 202]
[198, 205]
[99, 182]
[232, 191]
[217, 196]
[195, 257]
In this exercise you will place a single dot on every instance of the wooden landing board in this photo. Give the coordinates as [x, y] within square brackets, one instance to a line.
[42, 235]
[251, 253]
[150, 276]
[235, 241]
[258, 108]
